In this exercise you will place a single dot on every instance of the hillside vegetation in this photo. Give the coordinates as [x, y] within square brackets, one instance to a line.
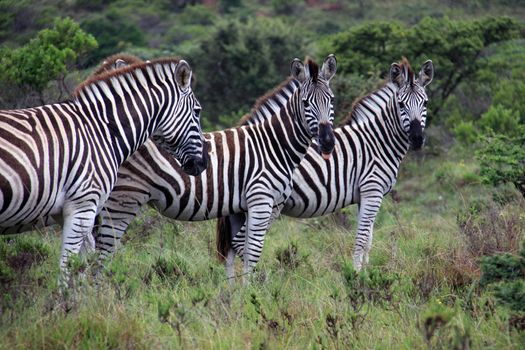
[447, 269]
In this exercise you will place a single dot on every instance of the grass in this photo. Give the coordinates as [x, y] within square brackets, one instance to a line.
[165, 289]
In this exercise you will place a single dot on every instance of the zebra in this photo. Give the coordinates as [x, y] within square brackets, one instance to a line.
[250, 167]
[59, 162]
[371, 143]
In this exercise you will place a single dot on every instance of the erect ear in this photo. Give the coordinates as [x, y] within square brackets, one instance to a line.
[396, 75]
[329, 67]
[120, 63]
[183, 74]
[297, 70]
[426, 73]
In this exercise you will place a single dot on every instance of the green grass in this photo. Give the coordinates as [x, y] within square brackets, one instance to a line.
[165, 289]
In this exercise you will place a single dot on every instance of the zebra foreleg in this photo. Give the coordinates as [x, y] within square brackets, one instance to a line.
[368, 209]
[259, 217]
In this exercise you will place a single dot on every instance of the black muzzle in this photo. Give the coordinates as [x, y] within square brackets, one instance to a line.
[326, 139]
[415, 135]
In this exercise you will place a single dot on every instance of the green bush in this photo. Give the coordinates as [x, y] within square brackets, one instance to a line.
[113, 32]
[500, 120]
[240, 61]
[501, 267]
[45, 58]
[502, 159]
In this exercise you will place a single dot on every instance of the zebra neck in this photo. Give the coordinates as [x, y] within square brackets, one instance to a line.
[378, 116]
[271, 103]
[121, 124]
[290, 129]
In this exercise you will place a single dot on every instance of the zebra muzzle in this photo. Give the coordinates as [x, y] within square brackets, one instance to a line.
[326, 140]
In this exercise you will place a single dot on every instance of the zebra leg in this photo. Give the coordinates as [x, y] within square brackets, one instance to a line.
[78, 224]
[368, 209]
[237, 223]
[114, 220]
[230, 271]
[259, 216]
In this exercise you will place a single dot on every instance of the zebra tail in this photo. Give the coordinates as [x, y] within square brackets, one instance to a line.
[224, 237]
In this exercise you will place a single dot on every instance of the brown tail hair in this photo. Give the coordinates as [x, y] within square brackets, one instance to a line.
[224, 237]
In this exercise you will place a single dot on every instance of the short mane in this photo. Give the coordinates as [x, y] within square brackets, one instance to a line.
[109, 62]
[105, 76]
[262, 100]
[404, 64]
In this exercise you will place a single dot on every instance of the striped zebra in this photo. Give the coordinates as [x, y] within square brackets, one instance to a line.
[250, 167]
[371, 143]
[58, 163]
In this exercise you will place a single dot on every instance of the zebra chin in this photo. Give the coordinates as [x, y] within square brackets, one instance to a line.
[416, 135]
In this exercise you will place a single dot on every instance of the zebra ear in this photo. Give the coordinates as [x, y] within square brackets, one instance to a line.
[183, 74]
[396, 75]
[329, 67]
[426, 74]
[297, 70]
[120, 63]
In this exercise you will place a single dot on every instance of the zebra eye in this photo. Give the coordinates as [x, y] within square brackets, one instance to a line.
[197, 112]
[401, 104]
[425, 103]
[306, 103]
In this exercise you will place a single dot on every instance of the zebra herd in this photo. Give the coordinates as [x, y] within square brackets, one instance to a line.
[131, 135]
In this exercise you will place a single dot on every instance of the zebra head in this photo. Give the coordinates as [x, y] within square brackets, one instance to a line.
[181, 133]
[412, 98]
[317, 100]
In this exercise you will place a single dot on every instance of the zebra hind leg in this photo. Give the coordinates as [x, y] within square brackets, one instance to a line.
[237, 227]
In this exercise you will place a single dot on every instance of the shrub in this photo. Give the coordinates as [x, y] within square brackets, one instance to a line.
[45, 58]
[113, 32]
[240, 61]
[500, 120]
[502, 159]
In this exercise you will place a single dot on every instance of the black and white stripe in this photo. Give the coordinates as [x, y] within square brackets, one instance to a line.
[371, 144]
[58, 163]
[250, 167]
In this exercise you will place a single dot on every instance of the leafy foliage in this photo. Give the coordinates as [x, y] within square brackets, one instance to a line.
[502, 159]
[113, 33]
[241, 60]
[454, 46]
[47, 57]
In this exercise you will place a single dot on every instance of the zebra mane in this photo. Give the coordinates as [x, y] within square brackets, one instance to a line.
[105, 76]
[109, 62]
[313, 68]
[359, 104]
[266, 99]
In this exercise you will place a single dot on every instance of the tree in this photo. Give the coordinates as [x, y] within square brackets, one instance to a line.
[455, 47]
[114, 33]
[45, 58]
[240, 61]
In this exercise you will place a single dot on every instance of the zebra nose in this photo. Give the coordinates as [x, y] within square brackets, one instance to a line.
[326, 139]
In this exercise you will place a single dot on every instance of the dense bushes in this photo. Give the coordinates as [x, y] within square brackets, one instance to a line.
[47, 57]
[241, 60]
